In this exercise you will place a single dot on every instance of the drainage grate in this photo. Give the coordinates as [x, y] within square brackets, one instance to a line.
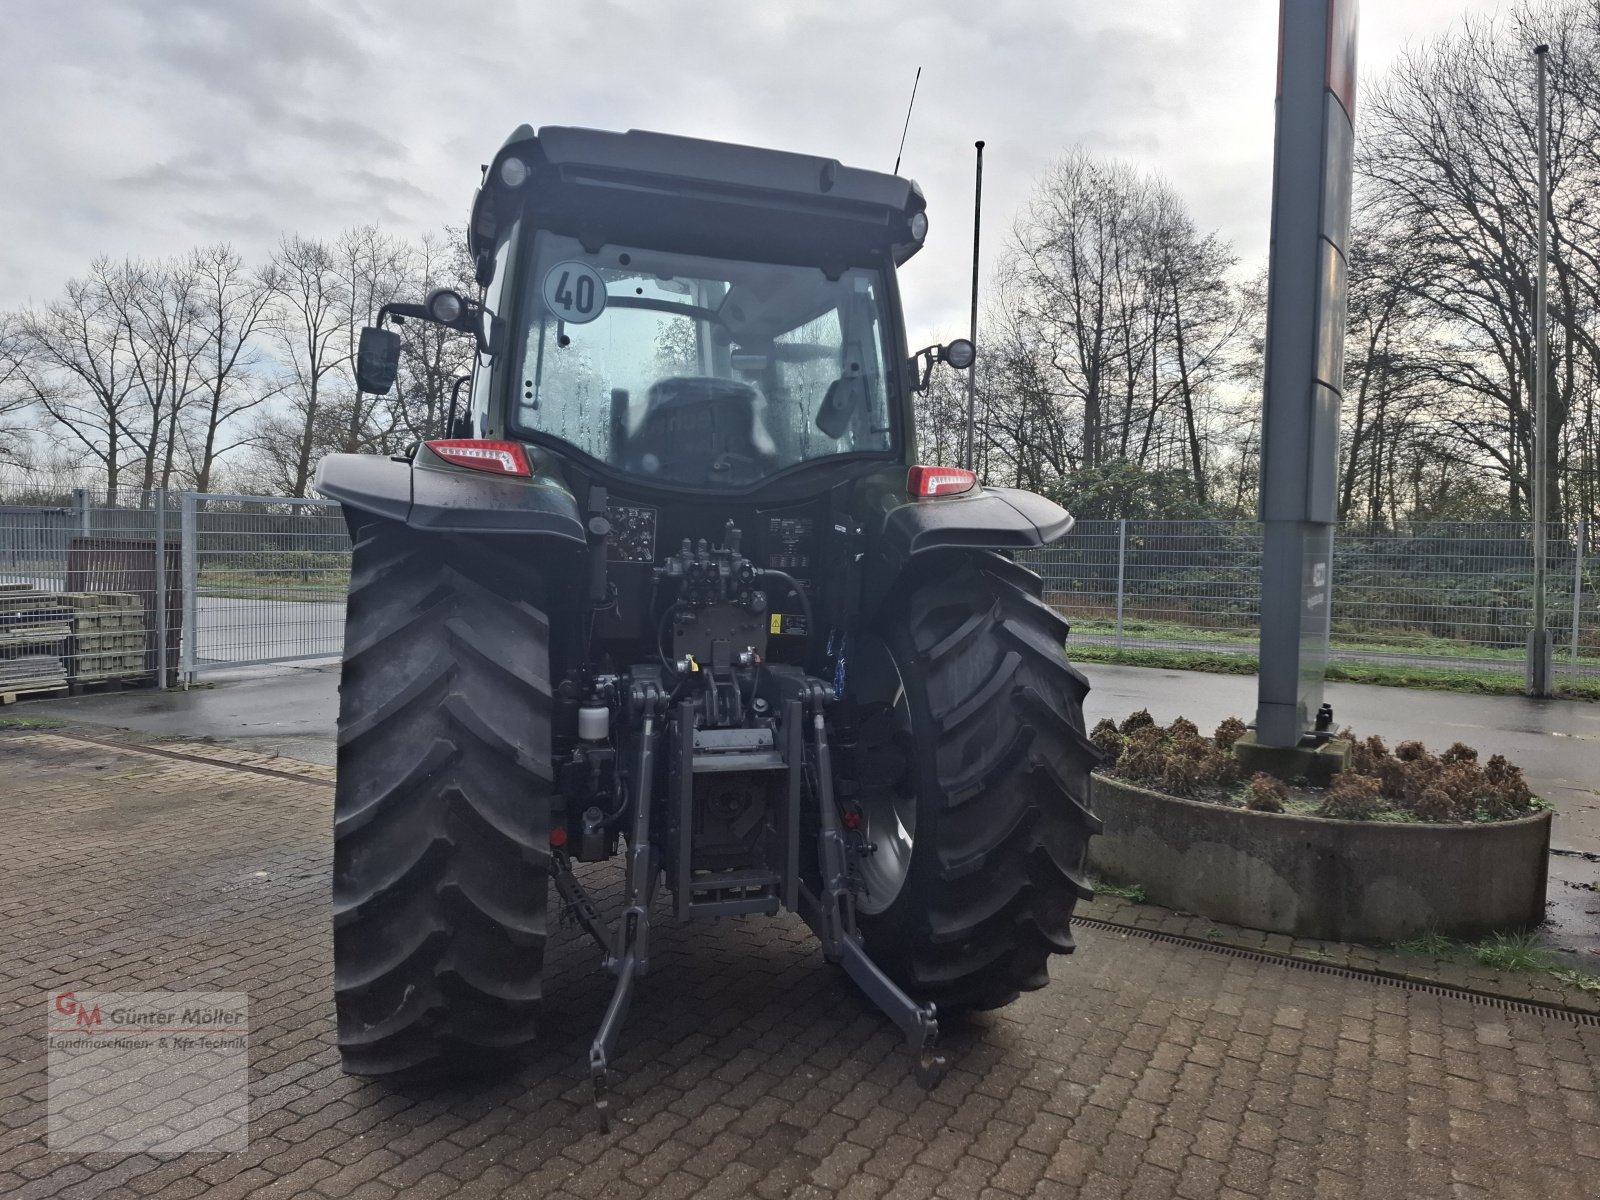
[1531, 1007]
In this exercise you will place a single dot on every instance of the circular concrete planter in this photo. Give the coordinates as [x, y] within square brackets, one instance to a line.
[1365, 881]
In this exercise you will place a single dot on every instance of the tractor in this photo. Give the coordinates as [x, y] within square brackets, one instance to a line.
[674, 589]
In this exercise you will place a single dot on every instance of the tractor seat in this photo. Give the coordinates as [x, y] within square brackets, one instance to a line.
[700, 429]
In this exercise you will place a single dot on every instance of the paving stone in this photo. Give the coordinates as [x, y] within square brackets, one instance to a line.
[749, 1067]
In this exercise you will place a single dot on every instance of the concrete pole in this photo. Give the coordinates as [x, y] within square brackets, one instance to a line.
[1539, 637]
[972, 371]
[1306, 311]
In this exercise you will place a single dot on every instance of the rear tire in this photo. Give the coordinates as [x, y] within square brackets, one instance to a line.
[442, 806]
[994, 787]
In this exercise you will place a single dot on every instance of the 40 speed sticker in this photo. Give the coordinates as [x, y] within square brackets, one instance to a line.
[575, 292]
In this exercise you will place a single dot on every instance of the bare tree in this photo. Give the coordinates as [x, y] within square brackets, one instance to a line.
[76, 365]
[1201, 320]
[1386, 385]
[1114, 332]
[432, 356]
[1448, 163]
[155, 304]
[371, 267]
[232, 305]
[941, 418]
[16, 402]
[308, 318]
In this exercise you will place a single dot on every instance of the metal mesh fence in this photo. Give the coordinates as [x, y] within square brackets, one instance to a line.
[269, 577]
[1438, 595]
[1157, 584]
[259, 579]
[82, 595]
[247, 580]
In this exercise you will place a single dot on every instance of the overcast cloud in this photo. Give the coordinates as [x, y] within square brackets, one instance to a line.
[144, 127]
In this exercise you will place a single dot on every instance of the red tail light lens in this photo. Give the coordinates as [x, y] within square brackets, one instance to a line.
[502, 458]
[939, 481]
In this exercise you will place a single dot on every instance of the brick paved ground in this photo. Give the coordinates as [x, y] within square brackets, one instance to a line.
[749, 1067]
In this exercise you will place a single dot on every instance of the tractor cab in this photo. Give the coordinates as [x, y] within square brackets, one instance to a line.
[688, 314]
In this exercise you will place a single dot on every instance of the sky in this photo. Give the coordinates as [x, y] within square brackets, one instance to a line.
[145, 127]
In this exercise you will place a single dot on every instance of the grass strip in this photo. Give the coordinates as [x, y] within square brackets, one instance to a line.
[1438, 679]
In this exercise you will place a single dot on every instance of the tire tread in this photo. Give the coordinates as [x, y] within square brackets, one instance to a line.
[441, 806]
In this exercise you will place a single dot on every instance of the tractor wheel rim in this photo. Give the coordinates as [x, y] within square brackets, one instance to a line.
[888, 810]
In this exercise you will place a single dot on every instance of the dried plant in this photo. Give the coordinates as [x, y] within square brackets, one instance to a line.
[1143, 756]
[1137, 721]
[1394, 778]
[1352, 797]
[1186, 744]
[1434, 804]
[1515, 788]
[1409, 751]
[1265, 794]
[1462, 782]
[1179, 775]
[1219, 768]
[1454, 786]
[1368, 754]
[1229, 732]
[1105, 738]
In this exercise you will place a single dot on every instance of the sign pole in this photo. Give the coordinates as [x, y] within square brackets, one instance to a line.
[972, 371]
[1539, 637]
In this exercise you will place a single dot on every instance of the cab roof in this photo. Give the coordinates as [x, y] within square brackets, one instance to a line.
[697, 196]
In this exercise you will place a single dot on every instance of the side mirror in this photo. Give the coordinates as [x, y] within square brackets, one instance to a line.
[377, 360]
[844, 399]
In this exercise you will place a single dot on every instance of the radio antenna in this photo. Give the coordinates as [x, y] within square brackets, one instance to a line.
[898, 153]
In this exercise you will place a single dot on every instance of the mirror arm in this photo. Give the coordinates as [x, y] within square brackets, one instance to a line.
[471, 319]
[401, 312]
[455, 394]
[926, 357]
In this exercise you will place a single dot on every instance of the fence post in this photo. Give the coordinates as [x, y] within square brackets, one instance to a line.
[1577, 584]
[1122, 566]
[158, 497]
[80, 509]
[191, 580]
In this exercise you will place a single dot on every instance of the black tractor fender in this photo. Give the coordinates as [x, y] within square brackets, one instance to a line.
[992, 518]
[447, 500]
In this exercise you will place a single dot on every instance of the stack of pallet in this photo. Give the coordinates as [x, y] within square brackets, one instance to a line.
[108, 636]
[34, 631]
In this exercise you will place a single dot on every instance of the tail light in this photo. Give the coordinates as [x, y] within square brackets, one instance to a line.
[502, 458]
[939, 481]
